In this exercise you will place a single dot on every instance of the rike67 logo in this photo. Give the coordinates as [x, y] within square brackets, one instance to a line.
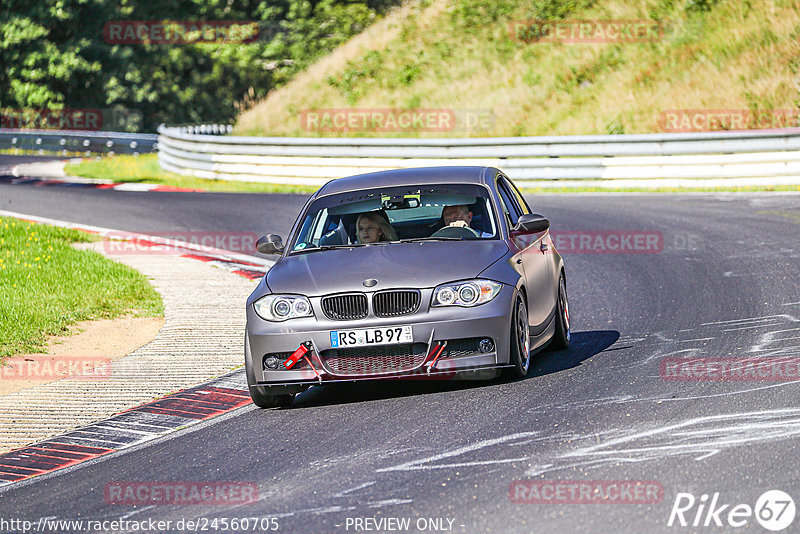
[774, 510]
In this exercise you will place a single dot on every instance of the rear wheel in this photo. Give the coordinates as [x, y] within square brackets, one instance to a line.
[520, 339]
[262, 400]
[561, 336]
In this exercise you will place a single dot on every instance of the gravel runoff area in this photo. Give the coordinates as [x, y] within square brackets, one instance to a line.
[202, 337]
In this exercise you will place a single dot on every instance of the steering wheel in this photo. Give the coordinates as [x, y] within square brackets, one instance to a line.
[456, 231]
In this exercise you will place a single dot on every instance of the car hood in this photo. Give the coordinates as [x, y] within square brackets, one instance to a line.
[422, 264]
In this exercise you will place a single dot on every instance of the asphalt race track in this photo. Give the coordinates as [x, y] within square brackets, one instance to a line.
[724, 282]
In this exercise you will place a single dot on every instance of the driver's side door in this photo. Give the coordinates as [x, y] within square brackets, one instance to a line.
[532, 251]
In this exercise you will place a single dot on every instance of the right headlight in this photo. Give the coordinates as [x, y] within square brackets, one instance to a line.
[465, 294]
[278, 308]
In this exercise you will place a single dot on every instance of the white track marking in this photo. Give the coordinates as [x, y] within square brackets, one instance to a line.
[786, 316]
[360, 486]
[388, 502]
[137, 511]
[418, 464]
[768, 338]
[729, 393]
[744, 328]
[701, 436]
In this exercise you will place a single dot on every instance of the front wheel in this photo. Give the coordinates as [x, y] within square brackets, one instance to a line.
[520, 339]
[562, 334]
[259, 393]
[262, 400]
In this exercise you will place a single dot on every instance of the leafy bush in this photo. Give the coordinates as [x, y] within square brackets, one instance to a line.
[358, 75]
[53, 55]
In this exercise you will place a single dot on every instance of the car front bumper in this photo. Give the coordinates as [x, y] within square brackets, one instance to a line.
[431, 327]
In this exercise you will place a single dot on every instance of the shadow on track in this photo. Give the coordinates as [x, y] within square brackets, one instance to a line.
[584, 345]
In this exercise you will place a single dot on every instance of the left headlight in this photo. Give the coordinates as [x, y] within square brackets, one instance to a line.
[282, 307]
[467, 293]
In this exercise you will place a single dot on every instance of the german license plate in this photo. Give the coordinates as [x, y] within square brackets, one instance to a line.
[371, 336]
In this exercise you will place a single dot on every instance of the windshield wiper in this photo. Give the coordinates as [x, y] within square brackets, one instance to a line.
[431, 238]
[325, 247]
[353, 245]
[328, 247]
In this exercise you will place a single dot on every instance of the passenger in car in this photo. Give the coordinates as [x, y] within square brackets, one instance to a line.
[461, 216]
[372, 227]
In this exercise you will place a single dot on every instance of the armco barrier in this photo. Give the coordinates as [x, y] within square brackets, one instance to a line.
[208, 151]
[86, 142]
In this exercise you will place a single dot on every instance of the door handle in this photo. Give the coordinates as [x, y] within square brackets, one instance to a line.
[519, 260]
[544, 247]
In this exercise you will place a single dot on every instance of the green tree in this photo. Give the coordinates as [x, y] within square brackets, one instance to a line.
[53, 54]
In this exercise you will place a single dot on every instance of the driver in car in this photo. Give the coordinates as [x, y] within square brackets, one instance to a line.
[460, 216]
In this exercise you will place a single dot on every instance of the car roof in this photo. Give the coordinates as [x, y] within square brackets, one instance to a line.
[412, 176]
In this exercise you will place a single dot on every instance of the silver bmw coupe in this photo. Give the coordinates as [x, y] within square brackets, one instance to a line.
[435, 273]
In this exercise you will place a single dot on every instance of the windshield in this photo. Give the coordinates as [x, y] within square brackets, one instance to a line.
[397, 214]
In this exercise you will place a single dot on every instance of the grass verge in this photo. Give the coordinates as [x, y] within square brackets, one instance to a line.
[145, 169]
[46, 285]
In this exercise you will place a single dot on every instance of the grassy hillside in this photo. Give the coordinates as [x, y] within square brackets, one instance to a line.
[460, 55]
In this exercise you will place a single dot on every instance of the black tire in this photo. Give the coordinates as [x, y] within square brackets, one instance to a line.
[262, 400]
[259, 393]
[562, 334]
[520, 339]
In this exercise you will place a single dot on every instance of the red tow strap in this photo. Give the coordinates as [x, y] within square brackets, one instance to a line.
[296, 355]
[438, 352]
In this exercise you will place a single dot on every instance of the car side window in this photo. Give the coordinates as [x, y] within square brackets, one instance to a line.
[505, 212]
[520, 199]
[510, 205]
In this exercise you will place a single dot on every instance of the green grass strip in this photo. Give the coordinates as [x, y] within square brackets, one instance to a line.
[46, 285]
[145, 169]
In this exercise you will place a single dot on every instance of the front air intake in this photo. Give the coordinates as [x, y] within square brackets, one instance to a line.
[396, 302]
[345, 307]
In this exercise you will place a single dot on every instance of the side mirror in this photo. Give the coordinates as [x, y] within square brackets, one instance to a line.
[532, 222]
[270, 244]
